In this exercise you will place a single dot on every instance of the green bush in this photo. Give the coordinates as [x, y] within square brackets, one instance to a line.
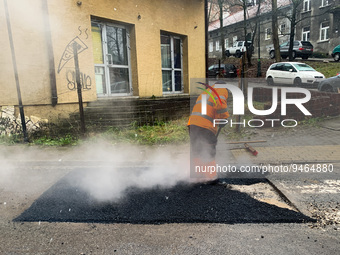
[319, 55]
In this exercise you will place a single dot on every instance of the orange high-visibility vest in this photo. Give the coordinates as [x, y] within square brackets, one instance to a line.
[214, 111]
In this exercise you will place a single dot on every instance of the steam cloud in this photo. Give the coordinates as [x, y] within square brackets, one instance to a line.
[106, 170]
[111, 182]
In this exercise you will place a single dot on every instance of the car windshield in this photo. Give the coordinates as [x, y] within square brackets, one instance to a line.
[303, 67]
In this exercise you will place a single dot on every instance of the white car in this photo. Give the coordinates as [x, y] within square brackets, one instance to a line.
[293, 73]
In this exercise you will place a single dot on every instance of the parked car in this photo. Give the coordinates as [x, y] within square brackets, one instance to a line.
[293, 73]
[336, 53]
[238, 48]
[227, 71]
[303, 49]
[331, 84]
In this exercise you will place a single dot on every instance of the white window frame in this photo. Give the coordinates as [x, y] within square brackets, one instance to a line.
[324, 3]
[281, 30]
[106, 59]
[234, 39]
[226, 43]
[306, 5]
[324, 31]
[268, 34]
[217, 45]
[211, 46]
[173, 69]
[305, 34]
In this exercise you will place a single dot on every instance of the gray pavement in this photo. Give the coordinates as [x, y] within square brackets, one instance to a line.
[29, 174]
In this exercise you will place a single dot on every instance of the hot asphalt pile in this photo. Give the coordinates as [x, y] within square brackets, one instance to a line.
[66, 201]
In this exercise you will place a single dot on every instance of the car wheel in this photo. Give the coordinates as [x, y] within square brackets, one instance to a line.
[336, 57]
[227, 54]
[304, 57]
[270, 81]
[238, 54]
[327, 88]
[272, 54]
[297, 82]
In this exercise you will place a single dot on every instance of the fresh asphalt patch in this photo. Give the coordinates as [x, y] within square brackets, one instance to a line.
[66, 201]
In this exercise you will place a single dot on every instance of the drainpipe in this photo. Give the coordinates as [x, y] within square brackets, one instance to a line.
[16, 76]
[50, 54]
[206, 37]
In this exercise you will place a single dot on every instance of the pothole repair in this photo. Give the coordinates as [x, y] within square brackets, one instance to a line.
[262, 192]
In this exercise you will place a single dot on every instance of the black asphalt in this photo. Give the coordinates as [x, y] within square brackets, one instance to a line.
[183, 203]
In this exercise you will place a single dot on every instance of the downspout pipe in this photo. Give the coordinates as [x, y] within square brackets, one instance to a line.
[50, 54]
[16, 75]
[206, 37]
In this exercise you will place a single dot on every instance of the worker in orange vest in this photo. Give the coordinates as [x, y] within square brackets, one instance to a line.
[203, 132]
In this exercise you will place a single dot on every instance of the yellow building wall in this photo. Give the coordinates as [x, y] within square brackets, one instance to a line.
[175, 16]
[30, 51]
[70, 21]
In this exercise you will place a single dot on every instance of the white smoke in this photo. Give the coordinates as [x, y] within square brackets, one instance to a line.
[106, 170]
[133, 167]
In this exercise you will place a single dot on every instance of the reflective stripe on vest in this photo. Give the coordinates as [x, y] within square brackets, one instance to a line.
[208, 103]
[221, 111]
[203, 116]
[222, 97]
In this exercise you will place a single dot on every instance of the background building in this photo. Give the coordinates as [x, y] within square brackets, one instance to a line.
[318, 23]
[125, 48]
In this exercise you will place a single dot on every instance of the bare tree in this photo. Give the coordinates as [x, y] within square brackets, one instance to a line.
[293, 23]
[222, 7]
[275, 34]
[217, 9]
[253, 27]
[294, 20]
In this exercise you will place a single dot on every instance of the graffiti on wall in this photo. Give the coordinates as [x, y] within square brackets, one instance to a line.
[85, 80]
[80, 32]
[68, 55]
[68, 52]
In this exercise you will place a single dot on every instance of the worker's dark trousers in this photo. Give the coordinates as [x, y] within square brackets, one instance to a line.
[202, 152]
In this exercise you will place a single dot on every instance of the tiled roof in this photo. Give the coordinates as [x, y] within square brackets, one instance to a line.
[251, 12]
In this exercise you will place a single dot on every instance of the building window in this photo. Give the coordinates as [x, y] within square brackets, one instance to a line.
[324, 31]
[211, 46]
[282, 29]
[234, 39]
[268, 33]
[306, 5]
[111, 49]
[251, 2]
[226, 43]
[324, 3]
[217, 45]
[172, 67]
[306, 34]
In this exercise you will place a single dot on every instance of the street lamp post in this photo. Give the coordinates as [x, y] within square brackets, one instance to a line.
[15, 68]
